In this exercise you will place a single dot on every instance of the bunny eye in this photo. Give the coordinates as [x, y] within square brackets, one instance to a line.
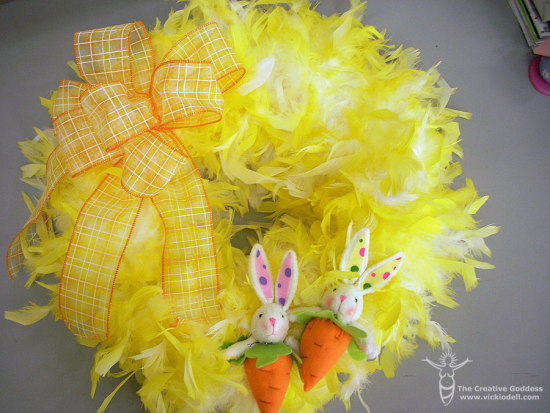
[356, 300]
[260, 316]
[283, 316]
[335, 289]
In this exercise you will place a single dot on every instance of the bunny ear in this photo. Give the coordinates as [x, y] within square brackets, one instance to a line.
[287, 280]
[260, 273]
[377, 276]
[356, 254]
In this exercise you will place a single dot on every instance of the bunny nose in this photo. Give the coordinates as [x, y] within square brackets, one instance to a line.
[342, 298]
[272, 321]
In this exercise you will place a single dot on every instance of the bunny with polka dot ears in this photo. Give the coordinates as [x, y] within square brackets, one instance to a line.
[330, 329]
[267, 353]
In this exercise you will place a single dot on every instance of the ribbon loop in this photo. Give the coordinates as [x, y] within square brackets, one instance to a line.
[207, 44]
[186, 94]
[78, 142]
[116, 114]
[68, 96]
[119, 53]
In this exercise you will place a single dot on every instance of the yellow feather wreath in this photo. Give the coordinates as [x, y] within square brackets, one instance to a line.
[330, 125]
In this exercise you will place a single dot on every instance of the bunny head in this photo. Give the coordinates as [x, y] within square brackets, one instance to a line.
[346, 300]
[270, 322]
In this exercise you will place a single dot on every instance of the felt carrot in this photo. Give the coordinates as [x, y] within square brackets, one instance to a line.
[329, 331]
[323, 343]
[269, 383]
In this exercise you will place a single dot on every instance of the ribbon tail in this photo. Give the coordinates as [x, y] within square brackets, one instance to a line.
[100, 237]
[28, 236]
[190, 267]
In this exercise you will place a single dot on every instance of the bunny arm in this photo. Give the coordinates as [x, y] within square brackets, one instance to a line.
[238, 349]
[293, 343]
[368, 345]
[292, 314]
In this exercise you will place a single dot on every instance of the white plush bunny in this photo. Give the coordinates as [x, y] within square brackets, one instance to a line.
[270, 322]
[346, 300]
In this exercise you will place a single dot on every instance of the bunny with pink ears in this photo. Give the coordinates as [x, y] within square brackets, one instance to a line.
[270, 323]
[268, 353]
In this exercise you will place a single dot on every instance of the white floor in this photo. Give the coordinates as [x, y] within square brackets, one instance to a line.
[503, 326]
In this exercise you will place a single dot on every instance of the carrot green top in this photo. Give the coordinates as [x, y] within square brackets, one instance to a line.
[268, 353]
[354, 351]
[265, 353]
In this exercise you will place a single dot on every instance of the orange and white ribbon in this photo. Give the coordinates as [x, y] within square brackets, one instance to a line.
[125, 114]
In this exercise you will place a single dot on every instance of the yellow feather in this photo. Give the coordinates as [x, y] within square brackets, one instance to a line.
[105, 359]
[108, 399]
[28, 315]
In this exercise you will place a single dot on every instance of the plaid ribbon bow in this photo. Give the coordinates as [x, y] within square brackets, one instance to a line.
[124, 114]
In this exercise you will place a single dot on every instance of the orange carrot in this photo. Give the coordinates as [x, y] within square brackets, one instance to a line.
[269, 383]
[323, 343]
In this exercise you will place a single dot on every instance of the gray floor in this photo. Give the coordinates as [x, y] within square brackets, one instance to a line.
[502, 326]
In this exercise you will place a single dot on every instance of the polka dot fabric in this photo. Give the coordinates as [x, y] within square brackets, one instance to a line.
[262, 275]
[285, 279]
